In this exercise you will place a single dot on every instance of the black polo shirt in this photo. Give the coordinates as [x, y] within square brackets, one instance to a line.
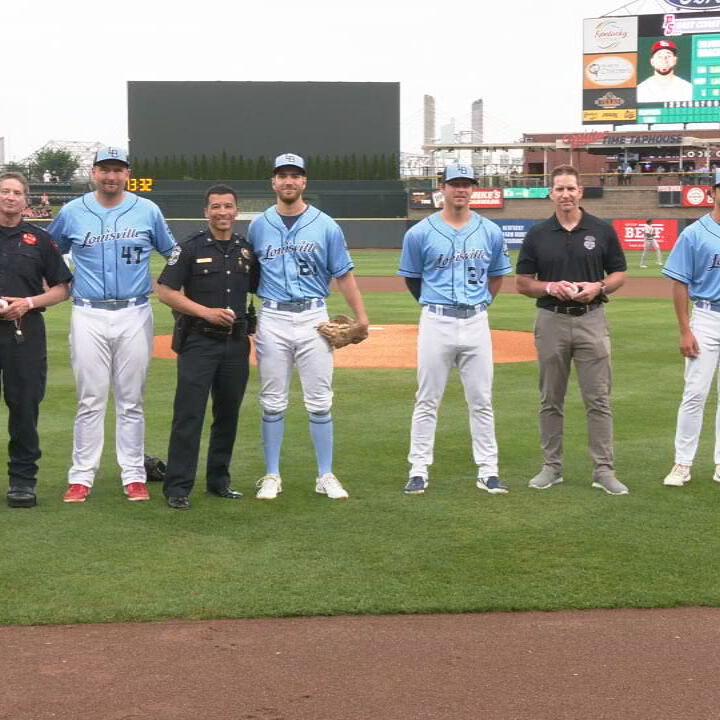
[587, 253]
[213, 273]
[28, 256]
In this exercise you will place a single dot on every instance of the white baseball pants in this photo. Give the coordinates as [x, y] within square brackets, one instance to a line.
[699, 374]
[110, 348]
[285, 339]
[444, 343]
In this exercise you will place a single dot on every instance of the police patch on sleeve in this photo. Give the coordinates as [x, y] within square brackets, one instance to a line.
[174, 255]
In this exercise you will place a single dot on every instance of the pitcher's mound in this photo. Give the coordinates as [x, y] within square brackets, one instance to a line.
[392, 347]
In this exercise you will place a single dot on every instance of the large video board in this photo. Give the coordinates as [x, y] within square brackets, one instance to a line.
[652, 69]
[256, 119]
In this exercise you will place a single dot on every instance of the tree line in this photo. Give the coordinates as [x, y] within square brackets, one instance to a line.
[237, 167]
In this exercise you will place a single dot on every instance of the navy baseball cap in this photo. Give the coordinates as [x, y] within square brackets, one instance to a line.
[459, 172]
[114, 154]
[289, 160]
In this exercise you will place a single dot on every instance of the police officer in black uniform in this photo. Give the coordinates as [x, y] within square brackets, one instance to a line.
[216, 269]
[27, 257]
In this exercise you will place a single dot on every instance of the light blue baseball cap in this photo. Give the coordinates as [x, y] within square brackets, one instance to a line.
[111, 154]
[459, 172]
[289, 160]
[716, 181]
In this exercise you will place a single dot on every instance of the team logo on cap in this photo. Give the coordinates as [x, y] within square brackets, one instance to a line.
[589, 242]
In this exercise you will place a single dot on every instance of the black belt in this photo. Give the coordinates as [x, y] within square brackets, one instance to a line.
[575, 310]
[200, 327]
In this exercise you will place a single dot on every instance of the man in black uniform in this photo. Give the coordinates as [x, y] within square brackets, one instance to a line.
[27, 257]
[216, 269]
[571, 263]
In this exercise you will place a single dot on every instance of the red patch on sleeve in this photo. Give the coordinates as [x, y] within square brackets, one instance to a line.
[29, 239]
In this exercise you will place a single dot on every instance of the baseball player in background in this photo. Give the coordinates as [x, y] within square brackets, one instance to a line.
[300, 250]
[694, 268]
[453, 263]
[111, 233]
[650, 243]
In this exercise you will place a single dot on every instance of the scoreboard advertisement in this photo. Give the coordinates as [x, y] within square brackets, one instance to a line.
[652, 69]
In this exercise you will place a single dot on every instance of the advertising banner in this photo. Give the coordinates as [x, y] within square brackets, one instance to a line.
[487, 198]
[697, 196]
[533, 193]
[632, 236]
[514, 231]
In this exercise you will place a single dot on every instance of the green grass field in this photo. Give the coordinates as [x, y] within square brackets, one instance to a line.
[453, 550]
[386, 262]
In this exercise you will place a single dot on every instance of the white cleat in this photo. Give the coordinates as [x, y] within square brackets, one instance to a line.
[678, 476]
[329, 485]
[716, 476]
[269, 487]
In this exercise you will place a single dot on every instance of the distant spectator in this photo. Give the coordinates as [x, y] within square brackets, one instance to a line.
[47, 177]
[627, 174]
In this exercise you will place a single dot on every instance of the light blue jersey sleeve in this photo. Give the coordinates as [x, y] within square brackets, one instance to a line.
[411, 261]
[695, 259]
[680, 263]
[162, 237]
[57, 231]
[500, 260]
[339, 260]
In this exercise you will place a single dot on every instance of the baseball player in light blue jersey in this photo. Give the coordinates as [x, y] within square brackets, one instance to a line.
[453, 263]
[300, 250]
[111, 233]
[694, 268]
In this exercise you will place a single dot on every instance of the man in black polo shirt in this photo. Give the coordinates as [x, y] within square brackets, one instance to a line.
[571, 263]
[27, 258]
[206, 281]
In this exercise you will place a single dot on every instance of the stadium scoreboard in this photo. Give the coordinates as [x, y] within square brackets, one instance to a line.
[617, 67]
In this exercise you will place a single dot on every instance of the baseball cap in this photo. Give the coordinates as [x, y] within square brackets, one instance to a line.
[716, 181]
[663, 45]
[289, 160]
[459, 172]
[115, 154]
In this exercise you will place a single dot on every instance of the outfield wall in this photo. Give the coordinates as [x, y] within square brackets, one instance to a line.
[359, 233]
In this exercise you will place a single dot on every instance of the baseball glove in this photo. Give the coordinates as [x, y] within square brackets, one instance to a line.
[154, 469]
[342, 330]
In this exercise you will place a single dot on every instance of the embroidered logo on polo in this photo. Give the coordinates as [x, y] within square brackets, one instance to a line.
[29, 239]
[174, 255]
[589, 242]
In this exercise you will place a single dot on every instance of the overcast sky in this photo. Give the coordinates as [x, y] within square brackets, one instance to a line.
[66, 65]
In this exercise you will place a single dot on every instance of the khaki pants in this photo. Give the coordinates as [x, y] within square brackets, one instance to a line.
[585, 339]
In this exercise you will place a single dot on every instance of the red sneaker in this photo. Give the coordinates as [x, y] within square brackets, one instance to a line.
[76, 493]
[137, 492]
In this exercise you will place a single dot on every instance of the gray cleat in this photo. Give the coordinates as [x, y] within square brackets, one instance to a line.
[546, 478]
[610, 484]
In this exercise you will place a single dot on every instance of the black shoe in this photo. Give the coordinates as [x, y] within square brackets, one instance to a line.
[179, 502]
[227, 492]
[18, 497]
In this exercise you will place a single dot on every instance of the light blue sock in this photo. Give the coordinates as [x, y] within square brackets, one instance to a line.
[273, 432]
[321, 430]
